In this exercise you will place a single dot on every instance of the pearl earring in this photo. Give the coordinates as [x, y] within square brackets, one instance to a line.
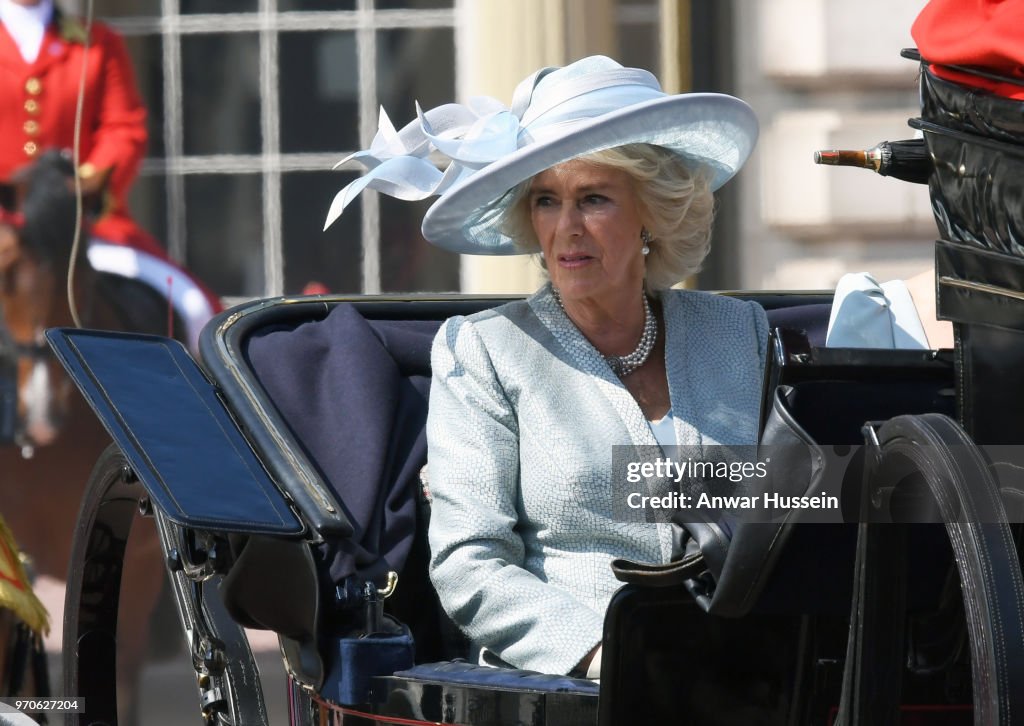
[646, 238]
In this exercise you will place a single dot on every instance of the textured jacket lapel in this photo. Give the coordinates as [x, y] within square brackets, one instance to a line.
[677, 345]
[583, 356]
[715, 368]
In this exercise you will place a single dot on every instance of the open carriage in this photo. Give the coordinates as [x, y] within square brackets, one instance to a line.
[283, 499]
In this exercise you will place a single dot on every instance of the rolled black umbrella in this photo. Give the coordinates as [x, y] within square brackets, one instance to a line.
[908, 160]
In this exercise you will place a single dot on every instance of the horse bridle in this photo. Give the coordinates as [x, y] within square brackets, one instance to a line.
[8, 386]
[11, 352]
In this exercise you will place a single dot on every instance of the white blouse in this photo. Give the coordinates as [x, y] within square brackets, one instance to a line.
[664, 430]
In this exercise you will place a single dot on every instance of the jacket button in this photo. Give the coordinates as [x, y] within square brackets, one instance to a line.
[32, 106]
[31, 127]
[31, 148]
[34, 86]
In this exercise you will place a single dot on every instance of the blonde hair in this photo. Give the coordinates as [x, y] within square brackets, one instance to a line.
[676, 205]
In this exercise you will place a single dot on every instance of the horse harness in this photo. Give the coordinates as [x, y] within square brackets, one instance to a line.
[11, 353]
[13, 350]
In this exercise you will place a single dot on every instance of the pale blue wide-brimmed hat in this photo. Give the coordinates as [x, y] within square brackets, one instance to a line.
[557, 114]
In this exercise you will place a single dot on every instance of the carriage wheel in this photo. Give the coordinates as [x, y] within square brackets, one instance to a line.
[227, 678]
[91, 601]
[932, 451]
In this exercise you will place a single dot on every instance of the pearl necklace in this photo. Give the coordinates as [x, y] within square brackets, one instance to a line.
[623, 365]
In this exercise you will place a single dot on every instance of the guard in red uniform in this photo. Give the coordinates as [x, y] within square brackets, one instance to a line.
[981, 34]
[41, 57]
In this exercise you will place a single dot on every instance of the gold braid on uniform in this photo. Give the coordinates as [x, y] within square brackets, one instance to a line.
[15, 589]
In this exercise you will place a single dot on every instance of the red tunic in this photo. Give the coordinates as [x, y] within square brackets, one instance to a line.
[37, 111]
[986, 34]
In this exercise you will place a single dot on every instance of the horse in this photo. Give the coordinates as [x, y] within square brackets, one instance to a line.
[54, 438]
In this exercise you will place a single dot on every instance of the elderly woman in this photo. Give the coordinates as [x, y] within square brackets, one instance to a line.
[610, 180]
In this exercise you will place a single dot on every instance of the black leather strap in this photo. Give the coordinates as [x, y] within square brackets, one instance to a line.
[660, 575]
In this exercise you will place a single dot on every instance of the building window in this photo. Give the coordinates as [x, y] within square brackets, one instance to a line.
[251, 104]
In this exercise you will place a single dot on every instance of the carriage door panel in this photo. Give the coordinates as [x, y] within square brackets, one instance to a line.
[167, 418]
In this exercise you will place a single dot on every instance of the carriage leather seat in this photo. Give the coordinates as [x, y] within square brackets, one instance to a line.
[354, 393]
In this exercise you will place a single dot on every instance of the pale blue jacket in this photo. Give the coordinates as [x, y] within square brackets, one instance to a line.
[524, 413]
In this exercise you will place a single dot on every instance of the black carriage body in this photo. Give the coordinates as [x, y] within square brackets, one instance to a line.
[976, 140]
[780, 654]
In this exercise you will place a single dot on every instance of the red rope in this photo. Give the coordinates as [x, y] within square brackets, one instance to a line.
[170, 307]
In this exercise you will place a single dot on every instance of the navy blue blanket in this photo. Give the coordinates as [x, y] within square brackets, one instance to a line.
[812, 319]
[354, 393]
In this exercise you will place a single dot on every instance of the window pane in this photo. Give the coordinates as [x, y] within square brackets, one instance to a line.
[415, 65]
[413, 4]
[130, 8]
[221, 98]
[639, 46]
[319, 91]
[193, 7]
[224, 230]
[316, 5]
[408, 262]
[147, 62]
[332, 258]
